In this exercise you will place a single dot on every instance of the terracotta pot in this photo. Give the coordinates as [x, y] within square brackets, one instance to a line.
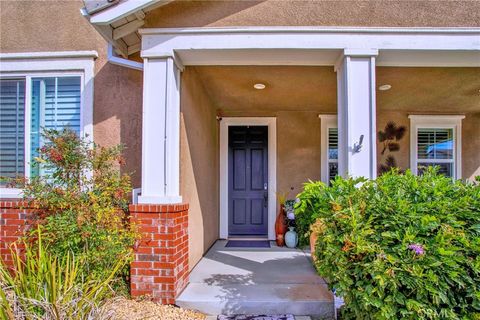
[280, 227]
[313, 242]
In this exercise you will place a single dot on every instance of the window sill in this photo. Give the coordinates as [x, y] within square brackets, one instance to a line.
[11, 193]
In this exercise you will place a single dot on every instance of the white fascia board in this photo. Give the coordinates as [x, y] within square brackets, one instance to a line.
[166, 40]
[307, 29]
[121, 10]
[157, 42]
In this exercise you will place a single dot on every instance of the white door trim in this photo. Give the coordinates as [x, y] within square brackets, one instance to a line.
[271, 123]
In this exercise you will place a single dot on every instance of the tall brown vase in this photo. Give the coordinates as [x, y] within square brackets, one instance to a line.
[281, 226]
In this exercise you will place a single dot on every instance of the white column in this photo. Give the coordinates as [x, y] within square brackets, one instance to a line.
[161, 132]
[356, 113]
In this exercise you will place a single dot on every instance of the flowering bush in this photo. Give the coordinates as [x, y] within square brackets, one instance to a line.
[399, 247]
[81, 201]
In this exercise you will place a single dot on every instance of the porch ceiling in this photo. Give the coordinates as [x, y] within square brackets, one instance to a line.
[290, 88]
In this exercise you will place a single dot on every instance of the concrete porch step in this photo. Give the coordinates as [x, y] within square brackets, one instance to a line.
[296, 299]
[257, 281]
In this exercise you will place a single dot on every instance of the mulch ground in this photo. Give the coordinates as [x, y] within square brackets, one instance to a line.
[125, 309]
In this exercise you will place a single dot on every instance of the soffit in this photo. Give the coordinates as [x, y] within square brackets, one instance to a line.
[118, 21]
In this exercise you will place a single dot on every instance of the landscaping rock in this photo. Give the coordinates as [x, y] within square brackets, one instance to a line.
[125, 309]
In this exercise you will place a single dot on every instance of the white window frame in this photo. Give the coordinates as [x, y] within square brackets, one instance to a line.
[50, 64]
[327, 121]
[453, 122]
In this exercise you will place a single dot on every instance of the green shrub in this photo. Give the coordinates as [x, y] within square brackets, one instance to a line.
[81, 201]
[398, 247]
[42, 286]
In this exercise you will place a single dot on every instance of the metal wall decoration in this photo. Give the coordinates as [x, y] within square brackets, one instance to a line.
[390, 137]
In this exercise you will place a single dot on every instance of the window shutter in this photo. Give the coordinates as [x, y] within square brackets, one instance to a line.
[12, 133]
[55, 105]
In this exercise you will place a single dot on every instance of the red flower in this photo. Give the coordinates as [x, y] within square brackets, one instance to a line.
[55, 155]
[119, 194]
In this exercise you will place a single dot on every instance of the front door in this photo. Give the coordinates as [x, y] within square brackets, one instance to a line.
[247, 180]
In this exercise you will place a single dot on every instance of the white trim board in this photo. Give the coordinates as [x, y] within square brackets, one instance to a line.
[49, 55]
[122, 10]
[271, 122]
[281, 45]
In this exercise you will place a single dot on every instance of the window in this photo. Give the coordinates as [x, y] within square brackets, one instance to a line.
[436, 141]
[40, 90]
[55, 104]
[329, 147]
[332, 153]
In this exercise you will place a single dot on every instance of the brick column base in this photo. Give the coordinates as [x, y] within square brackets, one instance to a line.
[160, 268]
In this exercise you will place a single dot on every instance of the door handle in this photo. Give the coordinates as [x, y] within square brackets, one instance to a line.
[265, 195]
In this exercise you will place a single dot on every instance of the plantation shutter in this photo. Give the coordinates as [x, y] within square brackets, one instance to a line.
[55, 105]
[435, 148]
[332, 153]
[12, 133]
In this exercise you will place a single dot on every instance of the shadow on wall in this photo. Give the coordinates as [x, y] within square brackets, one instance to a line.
[196, 13]
[117, 116]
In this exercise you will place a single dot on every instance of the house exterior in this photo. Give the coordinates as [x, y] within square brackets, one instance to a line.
[222, 104]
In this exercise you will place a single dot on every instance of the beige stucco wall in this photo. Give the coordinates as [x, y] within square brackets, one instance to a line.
[398, 13]
[31, 26]
[199, 164]
[471, 146]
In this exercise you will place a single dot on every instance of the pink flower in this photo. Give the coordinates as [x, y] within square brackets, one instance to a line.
[417, 248]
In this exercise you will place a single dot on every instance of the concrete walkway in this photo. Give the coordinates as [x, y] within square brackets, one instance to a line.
[257, 281]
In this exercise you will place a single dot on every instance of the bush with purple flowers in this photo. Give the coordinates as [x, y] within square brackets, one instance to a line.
[398, 247]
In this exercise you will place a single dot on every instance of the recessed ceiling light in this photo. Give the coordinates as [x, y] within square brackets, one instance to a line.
[385, 87]
[259, 86]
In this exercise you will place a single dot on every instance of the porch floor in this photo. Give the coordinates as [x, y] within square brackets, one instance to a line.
[257, 281]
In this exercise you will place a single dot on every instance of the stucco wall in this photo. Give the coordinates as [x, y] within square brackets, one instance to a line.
[199, 164]
[399, 13]
[471, 146]
[31, 26]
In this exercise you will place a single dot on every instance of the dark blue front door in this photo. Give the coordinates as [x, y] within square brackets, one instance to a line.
[247, 180]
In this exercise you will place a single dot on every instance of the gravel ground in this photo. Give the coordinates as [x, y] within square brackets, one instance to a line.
[124, 309]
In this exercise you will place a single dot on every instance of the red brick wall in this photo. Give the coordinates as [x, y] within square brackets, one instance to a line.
[160, 269]
[13, 220]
